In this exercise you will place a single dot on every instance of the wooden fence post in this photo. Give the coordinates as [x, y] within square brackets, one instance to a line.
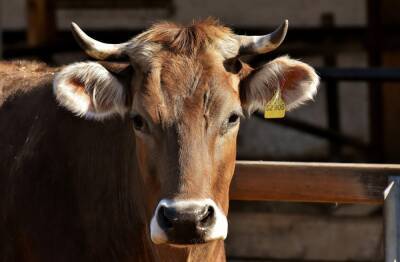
[1, 29]
[41, 26]
[392, 219]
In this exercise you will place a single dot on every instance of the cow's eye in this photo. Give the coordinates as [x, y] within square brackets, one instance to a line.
[230, 122]
[233, 118]
[138, 122]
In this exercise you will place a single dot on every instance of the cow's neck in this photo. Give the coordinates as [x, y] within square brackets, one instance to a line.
[213, 251]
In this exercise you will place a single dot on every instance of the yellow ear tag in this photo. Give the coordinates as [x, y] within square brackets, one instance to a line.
[276, 107]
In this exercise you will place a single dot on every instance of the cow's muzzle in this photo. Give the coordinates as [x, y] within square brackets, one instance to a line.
[185, 222]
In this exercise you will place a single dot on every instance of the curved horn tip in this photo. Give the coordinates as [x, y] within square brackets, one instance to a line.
[84, 41]
[285, 25]
[77, 31]
[279, 34]
[74, 26]
[286, 22]
[263, 43]
[95, 48]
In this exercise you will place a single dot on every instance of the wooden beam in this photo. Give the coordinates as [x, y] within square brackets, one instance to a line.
[311, 182]
[1, 30]
[41, 22]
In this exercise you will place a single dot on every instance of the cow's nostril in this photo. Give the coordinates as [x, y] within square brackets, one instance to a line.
[163, 219]
[185, 222]
[208, 217]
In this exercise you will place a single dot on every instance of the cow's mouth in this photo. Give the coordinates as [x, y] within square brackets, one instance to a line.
[187, 222]
[186, 242]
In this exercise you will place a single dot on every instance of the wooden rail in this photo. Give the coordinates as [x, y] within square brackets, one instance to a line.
[311, 182]
[326, 182]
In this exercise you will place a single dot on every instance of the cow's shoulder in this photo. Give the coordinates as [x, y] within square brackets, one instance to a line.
[21, 76]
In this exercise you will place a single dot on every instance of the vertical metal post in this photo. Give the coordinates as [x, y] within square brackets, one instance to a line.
[392, 220]
[332, 89]
[376, 126]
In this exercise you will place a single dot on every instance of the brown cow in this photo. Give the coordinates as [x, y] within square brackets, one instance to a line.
[143, 172]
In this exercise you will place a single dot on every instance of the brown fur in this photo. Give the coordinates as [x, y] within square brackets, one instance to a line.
[187, 39]
[19, 76]
[69, 190]
[66, 184]
[56, 159]
[81, 190]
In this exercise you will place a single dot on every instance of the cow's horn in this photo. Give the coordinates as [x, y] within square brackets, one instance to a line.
[94, 48]
[250, 45]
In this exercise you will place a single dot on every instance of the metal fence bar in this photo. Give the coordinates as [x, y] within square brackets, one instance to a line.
[332, 89]
[392, 219]
[359, 74]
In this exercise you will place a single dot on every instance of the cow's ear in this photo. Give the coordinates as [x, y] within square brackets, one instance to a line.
[93, 90]
[297, 81]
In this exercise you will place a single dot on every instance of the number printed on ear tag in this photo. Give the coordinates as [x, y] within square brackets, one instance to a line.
[276, 107]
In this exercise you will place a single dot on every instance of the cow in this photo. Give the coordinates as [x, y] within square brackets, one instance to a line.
[129, 157]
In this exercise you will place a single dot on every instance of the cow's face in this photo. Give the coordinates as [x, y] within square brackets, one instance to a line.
[184, 91]
[186, 116]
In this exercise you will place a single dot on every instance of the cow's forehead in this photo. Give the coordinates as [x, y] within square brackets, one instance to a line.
[182, 66]
[184, 75]
[176, 84]
[192, 40]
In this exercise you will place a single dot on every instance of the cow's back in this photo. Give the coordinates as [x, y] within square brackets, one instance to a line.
[67, 183]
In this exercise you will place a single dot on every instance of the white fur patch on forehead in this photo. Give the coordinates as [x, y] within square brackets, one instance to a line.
[142, 53]
[188, 40]
[228, 47]
[89, 90]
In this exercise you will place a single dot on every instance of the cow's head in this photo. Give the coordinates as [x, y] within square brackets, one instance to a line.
[184, 90]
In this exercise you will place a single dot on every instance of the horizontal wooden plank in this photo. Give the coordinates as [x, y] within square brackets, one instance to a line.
[311, 182]
[78, 4]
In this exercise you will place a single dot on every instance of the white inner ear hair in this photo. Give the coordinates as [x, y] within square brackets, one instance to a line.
[89, 90]
[305, 88]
